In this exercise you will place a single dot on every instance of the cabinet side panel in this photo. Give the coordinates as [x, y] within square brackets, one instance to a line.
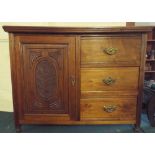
[141, 79]
[14, 77]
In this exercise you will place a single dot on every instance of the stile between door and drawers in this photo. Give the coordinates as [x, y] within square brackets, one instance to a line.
[77, 75]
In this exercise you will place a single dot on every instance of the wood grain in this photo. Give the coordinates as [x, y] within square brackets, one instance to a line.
[93, 109]
[75, 30]
[126, 78]
[39, 93]
[45, 85]
[129, 48]
[141, 80]
[69, 66]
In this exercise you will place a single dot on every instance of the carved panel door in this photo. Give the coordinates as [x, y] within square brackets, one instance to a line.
[47, 73]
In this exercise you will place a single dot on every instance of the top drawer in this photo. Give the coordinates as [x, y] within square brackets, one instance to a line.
[111, 50]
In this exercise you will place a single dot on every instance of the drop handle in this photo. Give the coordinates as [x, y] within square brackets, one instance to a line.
[110, 51]
[109, 81]
[109, 108]
[72, 78]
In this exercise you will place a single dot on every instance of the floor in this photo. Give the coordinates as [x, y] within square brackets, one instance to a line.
[7, 126]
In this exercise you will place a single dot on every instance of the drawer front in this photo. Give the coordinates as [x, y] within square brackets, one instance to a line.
[109, 79]
[117, 50]
[108, 109]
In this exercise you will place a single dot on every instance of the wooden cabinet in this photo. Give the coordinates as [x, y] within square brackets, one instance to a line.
[77, 75]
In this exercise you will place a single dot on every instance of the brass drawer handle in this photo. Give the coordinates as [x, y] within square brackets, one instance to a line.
[109, 81]
[109, 108]
[110, 51]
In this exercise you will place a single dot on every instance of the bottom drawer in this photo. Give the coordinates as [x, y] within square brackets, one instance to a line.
[111, 109]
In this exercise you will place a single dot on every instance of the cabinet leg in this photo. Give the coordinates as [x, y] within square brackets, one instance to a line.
[18, 129]
[138, 129]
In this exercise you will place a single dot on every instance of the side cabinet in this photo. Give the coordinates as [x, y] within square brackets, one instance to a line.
[44, 78]
[77, 76]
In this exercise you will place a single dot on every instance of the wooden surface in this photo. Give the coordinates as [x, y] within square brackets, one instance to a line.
[71, 30]
[50, 73]
[93, 109]
[130, 24]
[96, 65]
[128, 50]
[45, 87]
[92, 79]
[141, 81]
[59, 77]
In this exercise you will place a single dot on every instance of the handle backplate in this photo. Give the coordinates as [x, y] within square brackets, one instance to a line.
[109, 108]
[109, 80]
[110, 51]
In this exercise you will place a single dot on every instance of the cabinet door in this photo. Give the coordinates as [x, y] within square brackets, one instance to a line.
[46, 70]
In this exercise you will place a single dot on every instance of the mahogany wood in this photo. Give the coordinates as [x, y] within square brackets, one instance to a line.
[130, 24]
[92, 79]
[93, 50]
[93, 109]
[58, 74]
[75, 30]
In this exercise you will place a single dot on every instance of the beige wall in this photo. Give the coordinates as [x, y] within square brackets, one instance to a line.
[144, 23]
[5, 78]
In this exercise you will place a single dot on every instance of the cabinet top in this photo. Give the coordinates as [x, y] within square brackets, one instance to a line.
[74, 30]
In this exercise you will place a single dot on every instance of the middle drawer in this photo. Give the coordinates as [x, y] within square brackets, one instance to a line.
[109, 79]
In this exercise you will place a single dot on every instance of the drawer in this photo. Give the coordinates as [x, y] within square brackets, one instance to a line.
[109, 79]
[108, 109]
[116, 50]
